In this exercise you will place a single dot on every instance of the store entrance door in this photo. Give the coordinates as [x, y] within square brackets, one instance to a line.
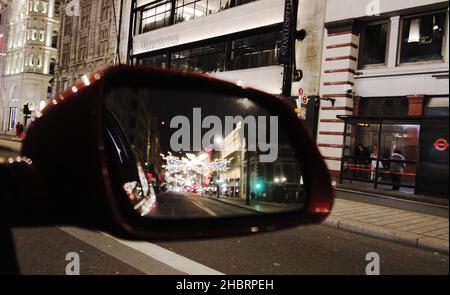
[432, 174]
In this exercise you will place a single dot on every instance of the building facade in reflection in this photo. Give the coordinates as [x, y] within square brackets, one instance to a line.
[141, 126]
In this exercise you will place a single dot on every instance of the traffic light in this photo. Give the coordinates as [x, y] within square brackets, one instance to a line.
[259, 186]
[26, 110]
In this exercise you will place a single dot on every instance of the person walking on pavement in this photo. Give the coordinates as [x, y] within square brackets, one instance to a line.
[396, 168]
[19, 129]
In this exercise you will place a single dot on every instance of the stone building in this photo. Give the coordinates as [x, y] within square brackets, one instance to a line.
[89, 38]
[29, 58]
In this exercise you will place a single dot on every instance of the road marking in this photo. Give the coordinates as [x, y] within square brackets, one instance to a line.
[170, 258]
[207, 210]
[158, 260]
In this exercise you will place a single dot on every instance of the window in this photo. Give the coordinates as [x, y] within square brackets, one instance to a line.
[159, 60]
[12, 118]
[39, 62]
[437, 106]
[103, 47]
[374, 44]
[66, 54]
[55, 39]
[52, 66]
[242, 2]
[206, 59]
[156, 16]
[67, 26]
[85, 10]
[423, 37]
[255, 51]
[104, 41]
[82, 54]
[383, 152]
[84, 22]
[162, 14]
[104, 12]
[57, 7]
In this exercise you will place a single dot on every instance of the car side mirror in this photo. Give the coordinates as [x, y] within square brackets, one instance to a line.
[152, 154]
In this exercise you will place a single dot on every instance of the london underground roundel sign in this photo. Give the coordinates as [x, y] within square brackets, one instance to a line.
[441, 144]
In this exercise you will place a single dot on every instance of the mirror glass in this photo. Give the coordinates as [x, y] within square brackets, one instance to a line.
[184, 154]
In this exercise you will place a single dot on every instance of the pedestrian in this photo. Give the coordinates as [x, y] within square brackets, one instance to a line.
[396, 168]
[375, 159]
[362, 160]
[19, 129]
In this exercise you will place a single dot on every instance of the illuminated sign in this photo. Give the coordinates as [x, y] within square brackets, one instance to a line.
[441, 144]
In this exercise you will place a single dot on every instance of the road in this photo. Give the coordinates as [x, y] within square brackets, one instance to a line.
[176, 205]
[305, 250]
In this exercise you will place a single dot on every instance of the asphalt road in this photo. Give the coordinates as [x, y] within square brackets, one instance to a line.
[176, 205]
[307, 250]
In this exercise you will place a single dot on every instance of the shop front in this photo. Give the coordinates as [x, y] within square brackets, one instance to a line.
[409, 154]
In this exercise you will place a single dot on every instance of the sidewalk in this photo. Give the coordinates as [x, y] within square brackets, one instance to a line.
[345, 187]
[10, 143]
[418, 230]
[414, 229]
[256, 206]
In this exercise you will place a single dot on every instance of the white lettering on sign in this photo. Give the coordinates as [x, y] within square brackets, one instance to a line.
[151, 45]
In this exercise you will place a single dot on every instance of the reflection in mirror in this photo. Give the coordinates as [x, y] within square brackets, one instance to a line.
[192, 154]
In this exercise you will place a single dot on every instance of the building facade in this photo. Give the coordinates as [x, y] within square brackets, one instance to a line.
[89, 38]
[4, 17]
[385, 60]
[235, 40]
[29, 59]
[385, 68]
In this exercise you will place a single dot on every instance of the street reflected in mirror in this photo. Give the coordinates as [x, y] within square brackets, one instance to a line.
[203, 155]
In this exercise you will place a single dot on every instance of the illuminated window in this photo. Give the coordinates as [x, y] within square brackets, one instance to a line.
[423, 37]
[162, 14]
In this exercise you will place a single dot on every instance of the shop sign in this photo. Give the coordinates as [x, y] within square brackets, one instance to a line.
[289, 25]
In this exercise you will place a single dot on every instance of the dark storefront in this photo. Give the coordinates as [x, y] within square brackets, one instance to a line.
[408, 153]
